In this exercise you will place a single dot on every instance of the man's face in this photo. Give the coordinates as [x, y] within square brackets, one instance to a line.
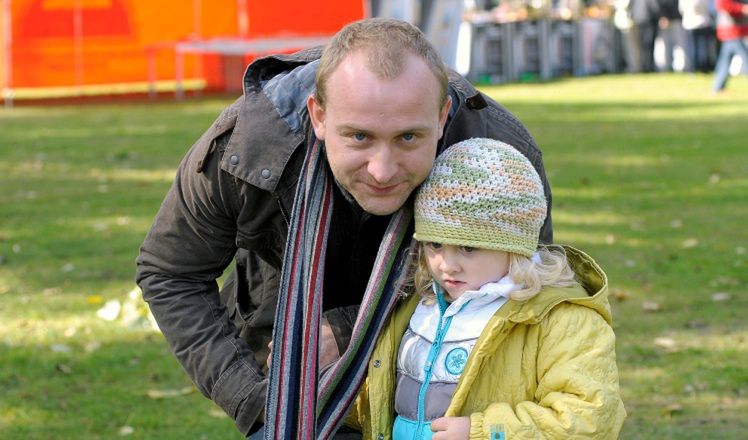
[380, 135]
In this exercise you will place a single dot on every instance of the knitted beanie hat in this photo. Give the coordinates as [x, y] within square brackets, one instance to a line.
[482, 193]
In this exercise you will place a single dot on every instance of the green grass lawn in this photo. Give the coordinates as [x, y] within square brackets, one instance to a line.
[649, 176]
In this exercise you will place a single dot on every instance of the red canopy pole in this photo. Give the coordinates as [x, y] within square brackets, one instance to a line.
[8, 54]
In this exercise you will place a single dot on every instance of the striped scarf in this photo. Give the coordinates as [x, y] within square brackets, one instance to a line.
[299, 404]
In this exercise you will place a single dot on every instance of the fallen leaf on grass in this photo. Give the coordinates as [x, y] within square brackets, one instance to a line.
[651, 306]
[620, 294]
[672, 409]
[110, 311]
[665, 342]
[721, 296]
[676, 223]
[125, 430]
[690, 243]
[167, 394]
[217, 413]
[64, 368]
[94, 299]
[60, 348]
[92, 346]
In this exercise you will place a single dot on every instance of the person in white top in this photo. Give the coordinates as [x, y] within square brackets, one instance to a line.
[701, 40]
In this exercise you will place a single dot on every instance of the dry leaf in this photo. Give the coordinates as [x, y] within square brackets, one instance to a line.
[64, 368]
[125, 430]
[110, 311]
[665, 342]
[217, 413]
[167, 394]
[714, 178]
[620, 294]
[690, 243]
[651, 306]
[672, 409]
[721, 296]
[92, 346]
[60, 348]
[94, 299]
[610, 239]
[676, 223]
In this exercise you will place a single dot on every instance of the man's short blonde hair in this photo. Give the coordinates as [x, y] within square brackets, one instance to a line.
[386, 42]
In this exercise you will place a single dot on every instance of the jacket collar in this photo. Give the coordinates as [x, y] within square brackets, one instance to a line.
[592, 293]
[272, 122]
[473, 299]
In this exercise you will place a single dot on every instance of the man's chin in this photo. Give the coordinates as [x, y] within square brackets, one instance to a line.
[380, 205]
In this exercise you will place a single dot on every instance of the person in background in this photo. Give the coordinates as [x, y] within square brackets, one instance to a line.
[622, 21]
[646, 17]
[670, 31]
[504, 337]
[699, 28]
[732, 28]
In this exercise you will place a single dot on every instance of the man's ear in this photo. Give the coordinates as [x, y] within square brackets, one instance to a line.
[443, 115]
[317, 116]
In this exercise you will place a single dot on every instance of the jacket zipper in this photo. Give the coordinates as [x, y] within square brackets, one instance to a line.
[436, 346]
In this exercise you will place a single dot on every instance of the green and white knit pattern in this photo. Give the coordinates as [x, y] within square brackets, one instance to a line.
[482, 193]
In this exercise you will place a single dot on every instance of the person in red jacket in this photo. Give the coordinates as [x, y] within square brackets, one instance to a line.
[732, 27]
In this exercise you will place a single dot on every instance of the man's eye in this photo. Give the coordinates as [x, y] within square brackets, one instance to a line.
[408, 137]
[433, 245]
[359, 137]
[467, 249]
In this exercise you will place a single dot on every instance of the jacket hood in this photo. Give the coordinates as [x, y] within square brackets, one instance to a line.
[592, 292]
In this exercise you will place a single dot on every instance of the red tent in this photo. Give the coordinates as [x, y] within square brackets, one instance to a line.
[82, 45]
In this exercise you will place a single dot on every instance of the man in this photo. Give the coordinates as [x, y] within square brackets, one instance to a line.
[732, 29]
[382, 104]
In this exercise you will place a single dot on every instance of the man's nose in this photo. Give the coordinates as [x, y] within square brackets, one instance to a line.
[382, 166]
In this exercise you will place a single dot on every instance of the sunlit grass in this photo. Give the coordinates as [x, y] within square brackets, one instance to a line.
[648, 175]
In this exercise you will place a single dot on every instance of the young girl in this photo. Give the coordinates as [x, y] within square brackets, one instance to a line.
[506, 340]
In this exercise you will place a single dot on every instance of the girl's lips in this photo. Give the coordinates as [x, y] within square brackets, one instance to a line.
[453, 283]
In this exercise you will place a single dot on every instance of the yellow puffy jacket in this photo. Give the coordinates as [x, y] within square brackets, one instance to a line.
[543, 369]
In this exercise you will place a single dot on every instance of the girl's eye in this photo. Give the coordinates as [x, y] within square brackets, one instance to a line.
[433, 245]
[467, 249]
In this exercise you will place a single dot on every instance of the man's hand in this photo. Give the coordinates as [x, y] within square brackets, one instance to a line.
[451, 428]
[328, 348]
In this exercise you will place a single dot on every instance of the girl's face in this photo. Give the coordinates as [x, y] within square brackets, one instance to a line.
[459, 268]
